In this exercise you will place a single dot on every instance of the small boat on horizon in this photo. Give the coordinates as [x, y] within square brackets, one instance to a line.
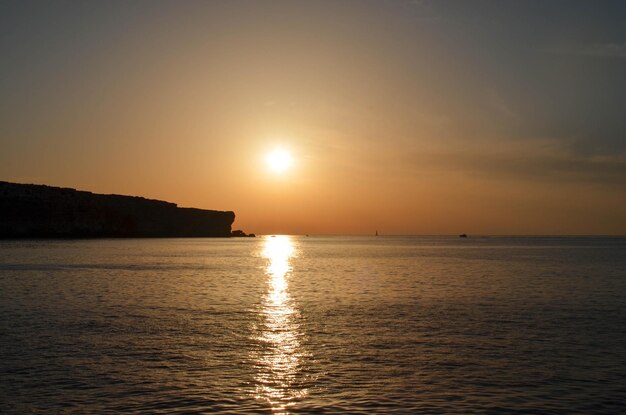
[463, 235]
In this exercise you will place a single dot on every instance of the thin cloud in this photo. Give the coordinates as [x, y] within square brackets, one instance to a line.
[599, 50]
[530, 164]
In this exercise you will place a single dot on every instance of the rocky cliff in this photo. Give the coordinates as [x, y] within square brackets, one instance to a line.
[37, 211]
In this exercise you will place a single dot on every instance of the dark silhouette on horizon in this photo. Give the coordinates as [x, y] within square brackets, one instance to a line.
[39, 211]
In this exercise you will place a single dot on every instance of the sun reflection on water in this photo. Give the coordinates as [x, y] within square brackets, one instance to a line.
[280, 358]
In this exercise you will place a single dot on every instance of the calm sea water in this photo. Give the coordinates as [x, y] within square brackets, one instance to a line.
[313, 325]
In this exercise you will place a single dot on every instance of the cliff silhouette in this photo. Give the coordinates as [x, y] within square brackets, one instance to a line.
[39, 211]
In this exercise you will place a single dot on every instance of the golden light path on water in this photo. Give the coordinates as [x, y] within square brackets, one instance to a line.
[280, 360]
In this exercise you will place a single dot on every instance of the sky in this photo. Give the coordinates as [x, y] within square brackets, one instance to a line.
[406, 117]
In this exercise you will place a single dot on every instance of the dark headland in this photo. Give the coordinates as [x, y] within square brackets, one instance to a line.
[38, 211]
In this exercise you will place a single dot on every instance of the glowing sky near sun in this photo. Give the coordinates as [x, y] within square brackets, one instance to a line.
[427, 117]
[279, 160]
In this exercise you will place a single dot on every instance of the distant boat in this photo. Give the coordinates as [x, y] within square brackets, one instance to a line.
[463, 235]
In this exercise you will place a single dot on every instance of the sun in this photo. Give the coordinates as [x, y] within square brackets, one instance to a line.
[279, 160]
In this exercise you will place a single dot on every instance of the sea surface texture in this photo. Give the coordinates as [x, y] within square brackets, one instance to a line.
[371, 325]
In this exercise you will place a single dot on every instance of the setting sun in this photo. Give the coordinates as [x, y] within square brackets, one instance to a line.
[279, 160]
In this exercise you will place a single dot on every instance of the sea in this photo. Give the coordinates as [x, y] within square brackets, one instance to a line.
[314, 325]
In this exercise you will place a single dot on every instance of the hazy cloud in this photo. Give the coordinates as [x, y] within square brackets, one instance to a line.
[600, 50]
[535, 163]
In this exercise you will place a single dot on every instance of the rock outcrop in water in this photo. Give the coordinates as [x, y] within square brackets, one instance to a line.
[37, 211]
[241, 234]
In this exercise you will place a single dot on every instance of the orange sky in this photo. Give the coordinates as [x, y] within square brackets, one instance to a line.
[402, 117]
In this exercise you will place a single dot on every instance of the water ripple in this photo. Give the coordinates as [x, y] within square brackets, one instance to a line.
[313, 325]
